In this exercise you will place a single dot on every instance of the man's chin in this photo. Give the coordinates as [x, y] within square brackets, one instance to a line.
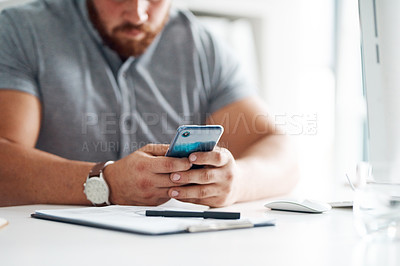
[129, 47]
[133, 35]
[126, 40]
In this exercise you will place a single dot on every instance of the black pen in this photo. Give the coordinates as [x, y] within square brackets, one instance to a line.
[205, 215]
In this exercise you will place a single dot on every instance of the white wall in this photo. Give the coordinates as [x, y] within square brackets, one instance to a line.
[296, 44]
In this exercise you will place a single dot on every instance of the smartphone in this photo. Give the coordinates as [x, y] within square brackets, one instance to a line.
[191, 138]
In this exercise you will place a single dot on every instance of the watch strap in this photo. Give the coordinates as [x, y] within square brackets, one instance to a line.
[98, 168]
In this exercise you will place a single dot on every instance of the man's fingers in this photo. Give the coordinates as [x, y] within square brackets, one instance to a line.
[157, 180]
[194, 192]
[156, 195]
[218, 157]
[199, 176]
[155, 160]
[155, 149]
[163, 164]
[212, 202]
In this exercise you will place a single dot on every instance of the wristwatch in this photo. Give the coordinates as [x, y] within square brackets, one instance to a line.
[95, 187]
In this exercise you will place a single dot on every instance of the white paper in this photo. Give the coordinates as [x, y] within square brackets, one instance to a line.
[176, 204]
[122, 218]
[128, 218]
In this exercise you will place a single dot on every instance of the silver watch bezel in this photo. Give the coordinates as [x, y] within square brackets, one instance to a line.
[99, 185]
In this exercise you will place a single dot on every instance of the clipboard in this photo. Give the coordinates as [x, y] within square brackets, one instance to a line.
[127, 219]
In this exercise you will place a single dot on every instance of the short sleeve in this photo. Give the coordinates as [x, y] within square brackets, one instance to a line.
[17, 64]
[228, 81]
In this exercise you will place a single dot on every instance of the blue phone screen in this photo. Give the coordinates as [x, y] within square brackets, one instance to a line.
[185, 149]
[189, 139]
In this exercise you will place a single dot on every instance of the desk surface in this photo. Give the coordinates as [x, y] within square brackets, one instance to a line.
[297, 239]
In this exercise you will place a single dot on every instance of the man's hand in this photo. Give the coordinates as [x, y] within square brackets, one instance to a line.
[214, 185]
[142, 178]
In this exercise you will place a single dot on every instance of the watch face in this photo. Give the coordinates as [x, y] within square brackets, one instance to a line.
[96, 190]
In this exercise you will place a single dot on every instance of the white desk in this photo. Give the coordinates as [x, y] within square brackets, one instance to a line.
[297, 239]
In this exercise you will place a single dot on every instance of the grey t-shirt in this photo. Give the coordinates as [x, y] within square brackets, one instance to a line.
[96, 107]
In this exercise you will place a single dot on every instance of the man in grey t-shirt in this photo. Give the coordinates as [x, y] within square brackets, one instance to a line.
[111, 80]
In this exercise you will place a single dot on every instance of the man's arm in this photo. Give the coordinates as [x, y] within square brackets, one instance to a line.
[27, 175]
[31, 176]
[264, 156]
[256, 161]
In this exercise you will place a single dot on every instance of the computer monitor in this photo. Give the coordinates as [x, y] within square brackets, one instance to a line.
[380, 45]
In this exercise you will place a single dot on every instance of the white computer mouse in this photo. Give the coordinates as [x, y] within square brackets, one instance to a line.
[310, 206]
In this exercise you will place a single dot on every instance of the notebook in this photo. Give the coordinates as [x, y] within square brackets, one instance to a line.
[130, 219]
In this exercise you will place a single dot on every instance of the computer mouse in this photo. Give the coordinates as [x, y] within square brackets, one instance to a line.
[310, 206]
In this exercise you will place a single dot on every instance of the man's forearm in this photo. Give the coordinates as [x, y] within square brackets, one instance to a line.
[30, 176]
[267, 168]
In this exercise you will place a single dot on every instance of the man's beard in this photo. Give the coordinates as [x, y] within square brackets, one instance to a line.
[124, 47]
